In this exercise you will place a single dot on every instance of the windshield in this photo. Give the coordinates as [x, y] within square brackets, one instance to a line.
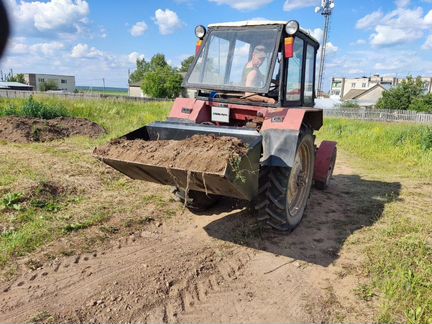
[236, 59]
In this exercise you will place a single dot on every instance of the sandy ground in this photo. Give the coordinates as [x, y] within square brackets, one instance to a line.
[214, 268]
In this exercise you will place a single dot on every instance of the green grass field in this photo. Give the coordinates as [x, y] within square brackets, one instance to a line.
[55, 190]
[398, 248]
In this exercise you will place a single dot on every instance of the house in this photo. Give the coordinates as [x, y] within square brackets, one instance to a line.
[135, 90]
[341, 86]
[365, 97]
[15, 86]
[63, 82]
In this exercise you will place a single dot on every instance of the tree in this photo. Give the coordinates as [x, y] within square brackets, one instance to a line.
[403, 95]
[48, 85]
[142, 68]
[15, 78]
[186, 63]
[158, 79]
[422, 104]
[157, 61]
[162, 82]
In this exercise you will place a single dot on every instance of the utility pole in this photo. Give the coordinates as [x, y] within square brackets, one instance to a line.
[103, 80]
[325, 10]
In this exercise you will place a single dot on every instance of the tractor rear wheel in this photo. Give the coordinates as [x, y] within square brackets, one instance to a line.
[284, 191]
[196, 200]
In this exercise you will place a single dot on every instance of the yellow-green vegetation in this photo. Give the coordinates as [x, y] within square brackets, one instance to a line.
[117, 117]
[51, 190]
[398, 247]
[403, 150]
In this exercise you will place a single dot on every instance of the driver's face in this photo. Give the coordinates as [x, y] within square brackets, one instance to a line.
[257, 60]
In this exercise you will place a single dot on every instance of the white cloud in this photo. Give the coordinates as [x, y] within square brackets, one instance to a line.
[58, 16]
[102, 32]
[138, 29]
[47, 48]
[402, 3]
[168, 21]
[318, 34]
[85, 51]
[399, 26]
[132, 57]
[386, 35]
[290, 5]
[19, 47]
[359, 42]
[370, 20]
[428, 18]
[243, 4]
[330, 48]
[428, 44]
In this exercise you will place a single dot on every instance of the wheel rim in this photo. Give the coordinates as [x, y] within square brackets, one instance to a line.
[299, 181]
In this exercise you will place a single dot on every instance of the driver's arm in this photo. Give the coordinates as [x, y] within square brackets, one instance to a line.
[250, 82]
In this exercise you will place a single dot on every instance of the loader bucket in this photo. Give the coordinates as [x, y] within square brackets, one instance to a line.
[238, 181]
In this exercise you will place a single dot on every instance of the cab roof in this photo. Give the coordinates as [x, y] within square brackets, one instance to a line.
[262, 22]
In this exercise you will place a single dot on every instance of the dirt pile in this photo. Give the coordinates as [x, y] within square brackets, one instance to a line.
[199, 153]
[26, 130]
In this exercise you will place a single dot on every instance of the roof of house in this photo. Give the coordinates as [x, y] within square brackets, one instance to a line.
[357, 93]
[353, 93]
[135, 84]
[6, 85]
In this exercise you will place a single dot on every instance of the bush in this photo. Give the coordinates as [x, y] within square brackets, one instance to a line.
[32, 108]
[350, 104]
[422, 104]
[48, 85]
[37, 109]
[10, 110]
[402, 96]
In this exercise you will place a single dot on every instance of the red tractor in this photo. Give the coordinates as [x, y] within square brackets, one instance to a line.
[254, 81]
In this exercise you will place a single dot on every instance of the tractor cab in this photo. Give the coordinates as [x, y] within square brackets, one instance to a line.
[280, 55]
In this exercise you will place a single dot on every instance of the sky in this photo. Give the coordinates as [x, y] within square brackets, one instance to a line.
[100, 39]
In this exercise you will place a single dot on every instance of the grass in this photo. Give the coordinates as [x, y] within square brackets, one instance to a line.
[116, 117]
[398, 248]
[405, 150]
[89, 195]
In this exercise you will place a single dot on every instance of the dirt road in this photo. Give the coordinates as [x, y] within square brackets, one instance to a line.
[219, 268]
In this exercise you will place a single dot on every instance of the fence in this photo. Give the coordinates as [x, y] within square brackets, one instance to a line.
[74, 96]
[380, 115]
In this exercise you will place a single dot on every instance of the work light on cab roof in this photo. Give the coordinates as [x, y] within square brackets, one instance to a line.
[200, 32]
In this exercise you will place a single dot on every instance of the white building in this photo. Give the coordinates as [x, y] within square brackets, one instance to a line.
[341, 86]
[63, 82]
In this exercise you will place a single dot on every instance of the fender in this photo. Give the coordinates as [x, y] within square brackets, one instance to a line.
[281, 131]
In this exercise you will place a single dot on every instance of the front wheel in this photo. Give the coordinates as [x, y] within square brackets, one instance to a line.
[284, 191]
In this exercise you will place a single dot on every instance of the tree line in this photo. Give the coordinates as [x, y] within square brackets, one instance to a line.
[157, 78]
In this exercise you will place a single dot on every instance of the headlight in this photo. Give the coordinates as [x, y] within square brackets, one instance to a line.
[200, 31]
[292, 27]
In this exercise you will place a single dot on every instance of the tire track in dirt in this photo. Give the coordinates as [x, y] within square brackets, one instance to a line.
[217, 268]
[142, 279]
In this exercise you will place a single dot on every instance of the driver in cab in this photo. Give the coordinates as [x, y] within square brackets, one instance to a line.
[252, 76]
